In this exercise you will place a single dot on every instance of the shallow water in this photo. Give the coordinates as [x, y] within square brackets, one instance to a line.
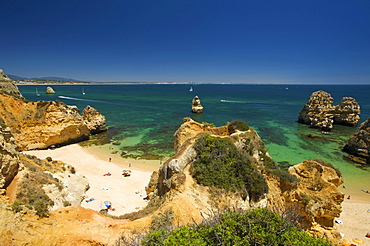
[143, 118]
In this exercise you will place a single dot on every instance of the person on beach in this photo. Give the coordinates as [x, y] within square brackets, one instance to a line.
[110, 159]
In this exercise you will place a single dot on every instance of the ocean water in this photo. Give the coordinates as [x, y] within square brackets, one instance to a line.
[143, 118]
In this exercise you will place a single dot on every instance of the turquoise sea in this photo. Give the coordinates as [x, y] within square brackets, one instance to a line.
[143, 118]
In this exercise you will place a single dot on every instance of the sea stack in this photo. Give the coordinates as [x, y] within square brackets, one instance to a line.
[358, 145]
[49, 90]
[196, 107]
[320, 113]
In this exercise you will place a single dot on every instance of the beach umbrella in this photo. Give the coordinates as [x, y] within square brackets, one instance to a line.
[358, 241]
[346, 241]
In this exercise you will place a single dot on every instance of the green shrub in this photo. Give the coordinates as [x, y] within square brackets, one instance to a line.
[238, 125]
[49, 159]
[252, 227]
[219, 163]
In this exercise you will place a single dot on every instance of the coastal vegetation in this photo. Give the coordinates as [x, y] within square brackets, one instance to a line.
[253, 227]
[220, 164]
[30, 193]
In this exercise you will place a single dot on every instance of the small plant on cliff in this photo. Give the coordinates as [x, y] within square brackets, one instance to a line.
[220, 164]
[163, 221]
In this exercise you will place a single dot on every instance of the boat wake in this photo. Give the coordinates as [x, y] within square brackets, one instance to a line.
[230, 101]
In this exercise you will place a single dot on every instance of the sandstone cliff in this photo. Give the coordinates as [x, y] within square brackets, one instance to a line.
[7, 86]
[9, 160]
[45, 123]
[319, 111]
[358, 145]
[314, 201]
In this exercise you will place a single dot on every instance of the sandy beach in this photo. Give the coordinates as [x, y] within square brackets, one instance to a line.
[125, 193]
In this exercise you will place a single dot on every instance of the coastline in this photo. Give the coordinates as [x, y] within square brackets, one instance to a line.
[127, 193]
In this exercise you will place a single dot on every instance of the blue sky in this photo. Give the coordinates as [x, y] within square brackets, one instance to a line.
[237, 41]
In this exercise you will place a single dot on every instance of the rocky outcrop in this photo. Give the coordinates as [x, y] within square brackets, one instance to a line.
[315, 201]
[319, 111]
[4, 77]
[7, 86]
[314, 197]
[9, 160]
[49, 90]
[358, 145]
[38, 125]
[196, 107]
[94, 120]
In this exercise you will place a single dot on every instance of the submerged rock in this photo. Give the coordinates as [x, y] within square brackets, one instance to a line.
[319, 111]
[196, 107]
[359, 144]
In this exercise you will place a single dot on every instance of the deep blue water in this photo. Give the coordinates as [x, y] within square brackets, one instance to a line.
[145, 117]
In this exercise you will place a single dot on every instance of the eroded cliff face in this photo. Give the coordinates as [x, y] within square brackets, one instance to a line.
[38, 125]
[9, 160]
[358, 145]
[319, 111]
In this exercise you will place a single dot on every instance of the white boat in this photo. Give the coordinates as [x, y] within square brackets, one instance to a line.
[191, 88]
[83, 91]
[37, 93]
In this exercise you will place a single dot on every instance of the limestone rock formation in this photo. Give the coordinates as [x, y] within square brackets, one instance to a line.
[315, 196]
[94, 120]
[7, 86]
[9, 161]
[358, 145]
[319, 111]
[49, 90]
[42, 124]
[196, 107]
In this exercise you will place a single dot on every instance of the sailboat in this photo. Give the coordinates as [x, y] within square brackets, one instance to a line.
[83, 91]
[191, 88]
[37, 93]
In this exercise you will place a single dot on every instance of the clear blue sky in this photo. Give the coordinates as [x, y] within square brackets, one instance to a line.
[236, 41]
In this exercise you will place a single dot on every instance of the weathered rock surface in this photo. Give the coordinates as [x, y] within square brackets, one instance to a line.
[315, 199]
[49, 90]
[9, 161]
[196, 107]
[94, 120]
[43, 123]
[7, 86]
[358, 144]
[319, 111]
